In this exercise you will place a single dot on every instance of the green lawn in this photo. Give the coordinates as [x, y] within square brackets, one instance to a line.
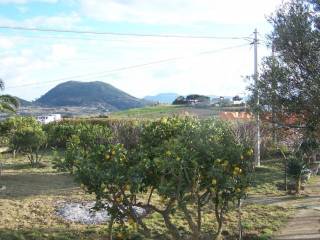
[170, 110]
[267, 179]
[27, 206]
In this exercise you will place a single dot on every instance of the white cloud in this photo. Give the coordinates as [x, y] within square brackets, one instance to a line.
[59, 21]
[6, 43]
[65, 21]
[62, 51]
[179, 12]
[26, 1]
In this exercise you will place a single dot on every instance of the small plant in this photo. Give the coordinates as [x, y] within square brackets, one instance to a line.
[296, 167]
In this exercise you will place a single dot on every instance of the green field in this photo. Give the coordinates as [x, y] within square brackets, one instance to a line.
[171, 110]
[27, 206]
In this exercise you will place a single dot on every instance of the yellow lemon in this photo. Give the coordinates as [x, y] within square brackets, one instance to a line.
[214, 182]
[250, 152]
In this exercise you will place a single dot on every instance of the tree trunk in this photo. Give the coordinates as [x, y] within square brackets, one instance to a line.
[199, 218]
[298, 185]
[285, 175]
[31, 159]
[172, 229]
[37, 157]
[110, 226]
[137, 219]
[285, 170]
[219, 218]
[193, 227]
[240, 219]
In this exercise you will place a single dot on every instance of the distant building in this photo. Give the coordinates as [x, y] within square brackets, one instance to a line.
[237, 100]
[194, 100]
[218, 101]
[45, 119]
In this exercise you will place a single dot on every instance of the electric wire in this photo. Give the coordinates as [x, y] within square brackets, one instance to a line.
[112, 71]
[118, 33]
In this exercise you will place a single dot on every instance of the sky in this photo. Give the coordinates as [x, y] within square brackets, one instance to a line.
[32, 62]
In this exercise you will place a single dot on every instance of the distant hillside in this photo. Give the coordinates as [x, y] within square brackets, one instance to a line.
[162, 97]
[87, 94]
[24, 103]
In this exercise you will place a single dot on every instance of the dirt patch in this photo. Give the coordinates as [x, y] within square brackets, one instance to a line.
[85, 213]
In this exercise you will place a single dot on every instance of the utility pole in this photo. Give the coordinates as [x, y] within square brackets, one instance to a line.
[274, 125]
[258, 140]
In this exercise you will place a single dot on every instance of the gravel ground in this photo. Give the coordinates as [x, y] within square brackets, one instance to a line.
[84, 214]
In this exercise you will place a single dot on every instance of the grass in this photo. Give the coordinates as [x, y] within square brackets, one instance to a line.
[27, 206]
[267, 179]
[170, 110]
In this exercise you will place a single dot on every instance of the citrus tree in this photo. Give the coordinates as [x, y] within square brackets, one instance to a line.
[8, 104]
[29, 138]
[9, 126]
[186, 163]
[103, 168]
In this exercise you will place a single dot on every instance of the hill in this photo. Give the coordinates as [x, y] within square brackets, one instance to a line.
[24, 103]
[89, 94]
[162, 97]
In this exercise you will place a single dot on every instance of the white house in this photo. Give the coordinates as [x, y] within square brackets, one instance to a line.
[237, 100]
[45, 119]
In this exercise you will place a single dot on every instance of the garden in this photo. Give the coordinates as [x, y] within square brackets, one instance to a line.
[171, 178]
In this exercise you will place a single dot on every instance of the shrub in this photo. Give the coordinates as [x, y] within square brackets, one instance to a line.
[29, 140]
[296, 167]
[11, 125]
[59, 133]
[186, 162]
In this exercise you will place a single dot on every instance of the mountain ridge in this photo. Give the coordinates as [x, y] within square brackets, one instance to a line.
[89, 94]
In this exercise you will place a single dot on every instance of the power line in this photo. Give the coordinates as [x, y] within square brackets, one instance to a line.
[112, 71]
[120, 34]
[65, 38]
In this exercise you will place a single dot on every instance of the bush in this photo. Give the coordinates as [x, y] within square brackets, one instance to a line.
[295, 168]
[125, 131]
[184, 161]
[59, 133]
[9, 126]
[29, 139]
